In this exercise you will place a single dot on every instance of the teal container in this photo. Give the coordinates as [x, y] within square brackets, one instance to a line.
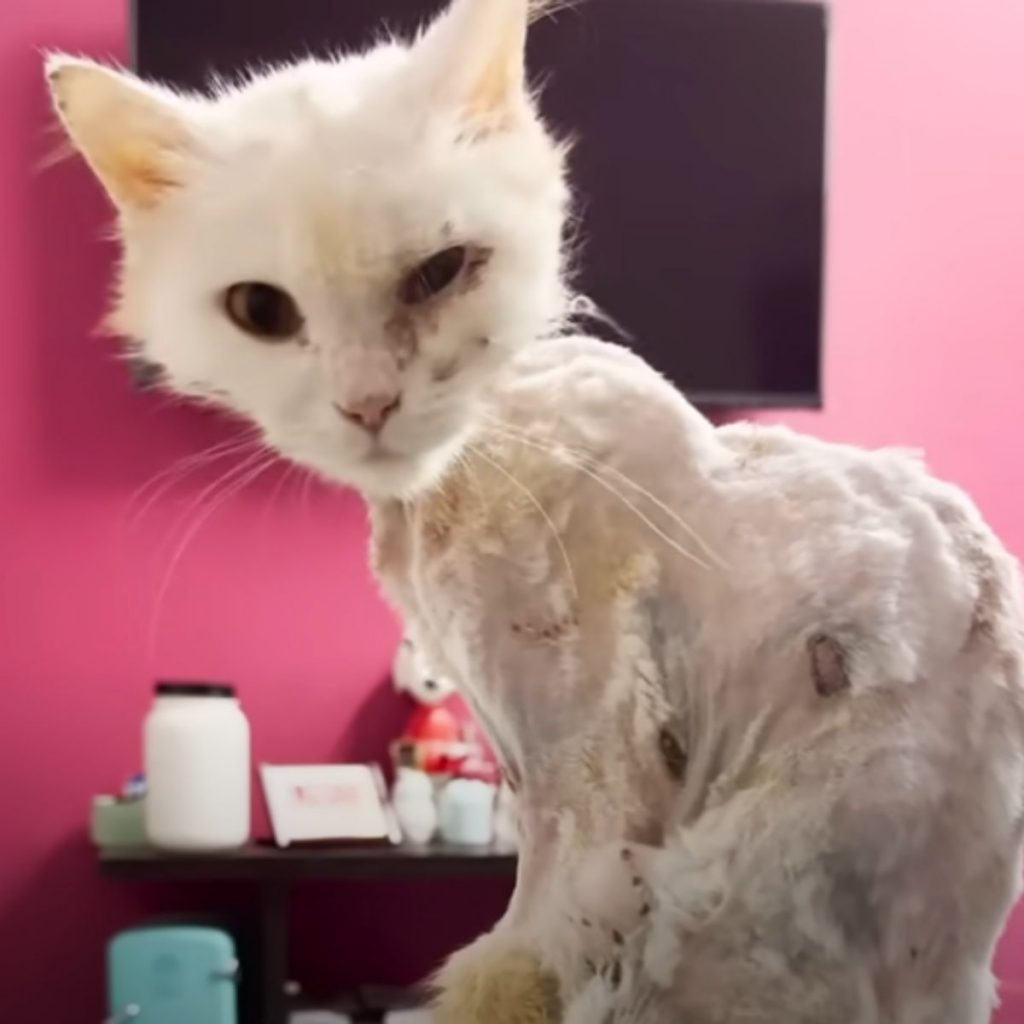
[173, 975]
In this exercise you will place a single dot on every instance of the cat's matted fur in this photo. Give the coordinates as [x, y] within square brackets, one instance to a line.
[761, 696]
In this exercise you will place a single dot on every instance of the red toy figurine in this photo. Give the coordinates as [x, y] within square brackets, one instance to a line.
[441, 738]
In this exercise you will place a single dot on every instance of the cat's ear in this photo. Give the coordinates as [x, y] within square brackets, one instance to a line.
[476, 55]
[134, 136]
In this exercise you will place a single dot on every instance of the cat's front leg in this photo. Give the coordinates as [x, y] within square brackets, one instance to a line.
[582, 928]
[497, 980]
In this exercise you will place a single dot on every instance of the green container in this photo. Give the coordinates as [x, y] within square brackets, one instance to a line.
[117, 822]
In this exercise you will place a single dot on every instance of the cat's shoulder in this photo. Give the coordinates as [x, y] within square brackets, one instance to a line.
[578, 363]
[608, 392]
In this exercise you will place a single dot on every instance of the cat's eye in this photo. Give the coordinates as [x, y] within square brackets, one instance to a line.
[263, 310]
[433, 275]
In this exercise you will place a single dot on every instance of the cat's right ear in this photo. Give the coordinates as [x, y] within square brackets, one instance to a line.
[474, 54]
[134, 136]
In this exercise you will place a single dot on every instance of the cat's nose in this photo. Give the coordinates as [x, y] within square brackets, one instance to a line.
[370, 412]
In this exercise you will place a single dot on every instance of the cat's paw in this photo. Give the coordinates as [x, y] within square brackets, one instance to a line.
[493, 983]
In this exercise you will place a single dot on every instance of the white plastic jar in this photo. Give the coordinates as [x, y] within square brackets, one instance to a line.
[197, 755]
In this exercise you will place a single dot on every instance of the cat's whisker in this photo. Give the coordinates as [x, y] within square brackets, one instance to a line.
[597, 464]
[232, 473]
[177, 471]
[303, 482]
[240, 477]
[535, 501]
[578, 453]
[305, 504]
[278, 489]
[182, 464]
[474, 480]
[561, 454]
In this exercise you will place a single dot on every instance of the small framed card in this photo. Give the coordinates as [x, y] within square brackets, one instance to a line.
[328, 803]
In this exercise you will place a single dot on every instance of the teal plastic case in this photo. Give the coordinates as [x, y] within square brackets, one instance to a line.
[173, 975]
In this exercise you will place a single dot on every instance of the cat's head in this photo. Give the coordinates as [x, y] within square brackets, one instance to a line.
[343, 252]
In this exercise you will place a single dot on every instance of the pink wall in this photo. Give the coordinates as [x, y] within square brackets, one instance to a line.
[925, 315]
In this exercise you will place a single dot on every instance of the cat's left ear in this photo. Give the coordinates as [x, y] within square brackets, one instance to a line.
[134, 136]
[475, 55]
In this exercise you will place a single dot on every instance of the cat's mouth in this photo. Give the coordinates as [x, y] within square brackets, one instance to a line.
[381, 467]
[380, 454]
[384, 448]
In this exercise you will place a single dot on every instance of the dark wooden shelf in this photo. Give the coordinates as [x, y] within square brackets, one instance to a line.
[274, 872]
[259, 863]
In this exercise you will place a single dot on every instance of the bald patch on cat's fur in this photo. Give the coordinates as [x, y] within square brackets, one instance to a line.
[828, 665]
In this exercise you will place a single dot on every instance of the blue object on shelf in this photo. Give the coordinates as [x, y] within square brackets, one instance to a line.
[173, 975]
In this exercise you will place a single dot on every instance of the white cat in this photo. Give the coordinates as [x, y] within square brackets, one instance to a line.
[343, 252]
[761, 697]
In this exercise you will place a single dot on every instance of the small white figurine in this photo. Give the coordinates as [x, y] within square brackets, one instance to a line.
[413, 800]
